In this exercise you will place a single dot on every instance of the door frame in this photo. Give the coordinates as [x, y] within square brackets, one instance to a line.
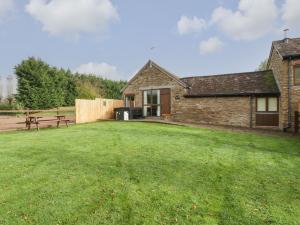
[161, 90]
[130, 95]
[151, 105]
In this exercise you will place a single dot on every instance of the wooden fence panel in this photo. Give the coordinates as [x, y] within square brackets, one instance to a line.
[98, 109]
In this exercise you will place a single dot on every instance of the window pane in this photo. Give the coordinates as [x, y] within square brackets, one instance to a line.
[154, 110]
[261, 104]
[272, 105]
[149, 97]
[297, 75]
[154, 97]
[146, 110]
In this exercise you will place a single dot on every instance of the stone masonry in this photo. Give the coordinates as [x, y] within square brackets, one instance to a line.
[233, 111]
[280, 69]
[224, 110]
[152, 77]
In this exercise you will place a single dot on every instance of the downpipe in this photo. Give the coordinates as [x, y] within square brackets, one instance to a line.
[289, 125]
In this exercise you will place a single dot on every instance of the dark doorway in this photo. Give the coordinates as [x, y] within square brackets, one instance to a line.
[129, 101]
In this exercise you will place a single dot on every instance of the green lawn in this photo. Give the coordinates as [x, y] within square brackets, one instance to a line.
[141, 173]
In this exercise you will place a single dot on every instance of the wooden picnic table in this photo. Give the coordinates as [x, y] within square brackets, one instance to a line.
[39, 119]
[30, 120]
[34, 118]
[60, 117]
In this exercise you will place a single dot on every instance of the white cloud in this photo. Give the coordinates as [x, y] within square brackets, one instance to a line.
[5, 7]
[291, 14]
[72, 17]
[252, 20]
[189, 25]
[100, 69]
[210, 46]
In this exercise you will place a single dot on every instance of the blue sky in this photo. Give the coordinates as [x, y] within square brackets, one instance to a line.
[115, 38]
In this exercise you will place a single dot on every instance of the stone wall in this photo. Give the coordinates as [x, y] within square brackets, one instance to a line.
[151, 77]
[295, 93]
[233, 111]
[280, 68]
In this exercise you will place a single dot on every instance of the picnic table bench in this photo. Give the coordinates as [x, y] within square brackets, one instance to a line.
[37, 120]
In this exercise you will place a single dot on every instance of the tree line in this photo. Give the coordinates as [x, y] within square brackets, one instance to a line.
[41, 86]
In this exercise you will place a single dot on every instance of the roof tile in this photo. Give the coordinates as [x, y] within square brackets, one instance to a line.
[288, 47]
[251, 83]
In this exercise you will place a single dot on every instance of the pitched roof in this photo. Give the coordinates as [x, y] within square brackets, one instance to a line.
[289, 47]
[239, 84]
[151, 63]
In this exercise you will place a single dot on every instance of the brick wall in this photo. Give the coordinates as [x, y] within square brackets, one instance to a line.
[280, 68]
[233, 111]
[295, 92]
[152, 77]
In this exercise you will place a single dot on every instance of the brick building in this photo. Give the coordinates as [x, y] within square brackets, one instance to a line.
[252, 99]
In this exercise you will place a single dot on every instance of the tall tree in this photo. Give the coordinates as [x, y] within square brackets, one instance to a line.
[112, 89]
[71, 91]
[91, 86]
[41, 86]
[263, 65]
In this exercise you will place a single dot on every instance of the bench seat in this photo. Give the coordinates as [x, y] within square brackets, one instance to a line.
[38, 122]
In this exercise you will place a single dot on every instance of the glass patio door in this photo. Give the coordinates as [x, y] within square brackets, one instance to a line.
[151, 105]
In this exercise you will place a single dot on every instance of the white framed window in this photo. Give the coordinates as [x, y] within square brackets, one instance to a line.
[272, 104]
[261, 104]
[151, 106]
[267, 104]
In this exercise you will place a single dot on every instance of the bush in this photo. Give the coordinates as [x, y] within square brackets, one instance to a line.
[5, 106]
[13, 106]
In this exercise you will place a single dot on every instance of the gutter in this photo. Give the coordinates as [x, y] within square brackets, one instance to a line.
[231, 95]
[251, 111]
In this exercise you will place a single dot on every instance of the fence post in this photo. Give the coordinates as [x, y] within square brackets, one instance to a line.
[27, 118]
[296, 122]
